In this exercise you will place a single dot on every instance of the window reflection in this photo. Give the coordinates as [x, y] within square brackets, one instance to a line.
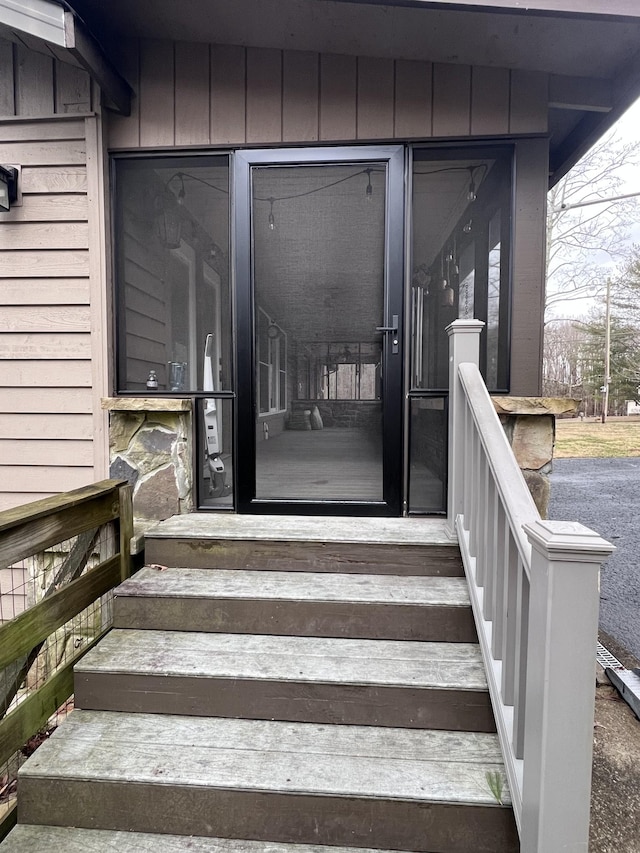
[172, 247]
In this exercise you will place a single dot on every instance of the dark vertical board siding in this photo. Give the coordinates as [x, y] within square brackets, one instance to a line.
[300, 96]
[34, 83]
[337, 97]
[489, 101]
[7, 93]
[157, 76]
[451, 99]
[228, 93]
[192, 93]
[528, 265]
[529, 102]
[375, 98]
[264, 95]
[414, 92]
[73, 89]
[124, 131]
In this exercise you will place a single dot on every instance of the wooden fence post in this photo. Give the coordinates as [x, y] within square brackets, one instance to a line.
[464, 346]
[126, 530]
[560, 691]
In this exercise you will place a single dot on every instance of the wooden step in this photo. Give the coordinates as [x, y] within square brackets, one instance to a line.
[400, 546]
[303, 603]
[62, 839]
[283, 782]
[303, 679]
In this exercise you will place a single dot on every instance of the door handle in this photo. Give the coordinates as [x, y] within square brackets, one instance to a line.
[392, 329]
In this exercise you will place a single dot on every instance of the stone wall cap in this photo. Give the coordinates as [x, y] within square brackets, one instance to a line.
[145, 404]
[535, 405]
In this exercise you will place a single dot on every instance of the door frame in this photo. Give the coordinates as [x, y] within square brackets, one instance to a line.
[393, 368]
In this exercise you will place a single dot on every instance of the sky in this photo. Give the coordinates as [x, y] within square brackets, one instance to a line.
[628, 130]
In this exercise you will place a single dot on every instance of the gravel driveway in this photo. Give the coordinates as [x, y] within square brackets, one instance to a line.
[604, 494]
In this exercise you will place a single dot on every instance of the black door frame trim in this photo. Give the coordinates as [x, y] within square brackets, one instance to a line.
[245, 447]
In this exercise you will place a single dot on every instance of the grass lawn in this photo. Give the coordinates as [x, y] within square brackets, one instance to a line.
[588, 438]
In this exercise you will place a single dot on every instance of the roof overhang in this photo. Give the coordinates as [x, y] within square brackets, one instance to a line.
[589, 48]
[604, 9]
[55, 29]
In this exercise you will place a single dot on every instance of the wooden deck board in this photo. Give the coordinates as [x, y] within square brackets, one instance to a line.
[300, 659]
[62, 839]
[291, 586]
[300, 528]
[253, 755]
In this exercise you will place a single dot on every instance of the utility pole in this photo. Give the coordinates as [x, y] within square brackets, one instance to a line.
[607, 354]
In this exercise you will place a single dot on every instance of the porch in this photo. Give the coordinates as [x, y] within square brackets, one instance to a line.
[304, 681]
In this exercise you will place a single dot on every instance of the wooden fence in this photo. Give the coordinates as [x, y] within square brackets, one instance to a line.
[70, 550]
[534, 589]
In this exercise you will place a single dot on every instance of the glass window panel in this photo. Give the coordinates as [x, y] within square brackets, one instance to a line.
[427, 454]
[467, 281]
[493, 301]
[318, 273]
[458, 199]
[215, 461]
[172, 267]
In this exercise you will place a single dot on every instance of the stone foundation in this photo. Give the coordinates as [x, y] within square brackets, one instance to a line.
[150, 446]
[530, 426]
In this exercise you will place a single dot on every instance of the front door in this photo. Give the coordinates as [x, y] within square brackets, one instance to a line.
[319, 266]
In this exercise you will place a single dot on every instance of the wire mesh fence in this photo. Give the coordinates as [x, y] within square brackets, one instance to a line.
[54, 604]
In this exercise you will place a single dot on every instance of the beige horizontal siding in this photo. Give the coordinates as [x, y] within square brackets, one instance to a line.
[45, 478]
[10, 499]
[45, 400]
[67, 453]
[61, 179]
[44, 318]
[39, 374]
[54, 291]
[47, 373]
[53, 426]
[44, 345]
[44, 235]
[195, 94]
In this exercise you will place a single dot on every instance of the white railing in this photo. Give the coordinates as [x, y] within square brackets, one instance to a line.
[534, 589]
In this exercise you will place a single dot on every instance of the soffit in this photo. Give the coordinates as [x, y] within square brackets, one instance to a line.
[558, 44]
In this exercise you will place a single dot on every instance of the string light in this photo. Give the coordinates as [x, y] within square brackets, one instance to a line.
[471, 192]
[369, 190]
[272, 222]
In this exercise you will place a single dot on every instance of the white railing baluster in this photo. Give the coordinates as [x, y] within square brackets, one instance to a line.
[468, 455]
[509, 637]
[500, 576]
[481, 513]
[534, 592]
[520, 673]
[490, 551]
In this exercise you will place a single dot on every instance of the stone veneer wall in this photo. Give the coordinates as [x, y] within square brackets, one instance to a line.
[150, 446]
[530, 426]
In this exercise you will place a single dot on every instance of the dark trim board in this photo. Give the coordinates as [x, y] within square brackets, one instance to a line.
[421, 826]
[351, 558]
[452, 624]
[392, 402]
[294, 701]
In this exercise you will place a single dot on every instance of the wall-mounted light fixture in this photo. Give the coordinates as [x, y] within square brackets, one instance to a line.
[8, 186]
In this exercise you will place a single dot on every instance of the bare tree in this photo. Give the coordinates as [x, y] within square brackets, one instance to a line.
[584, 242]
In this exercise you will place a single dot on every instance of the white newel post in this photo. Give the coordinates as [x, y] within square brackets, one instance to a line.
[464, 347]
[563, 631]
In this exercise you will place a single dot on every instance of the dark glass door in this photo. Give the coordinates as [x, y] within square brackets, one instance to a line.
[319, 247]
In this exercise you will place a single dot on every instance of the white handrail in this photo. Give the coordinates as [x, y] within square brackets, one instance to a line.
[514, 493]
[534, 591]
